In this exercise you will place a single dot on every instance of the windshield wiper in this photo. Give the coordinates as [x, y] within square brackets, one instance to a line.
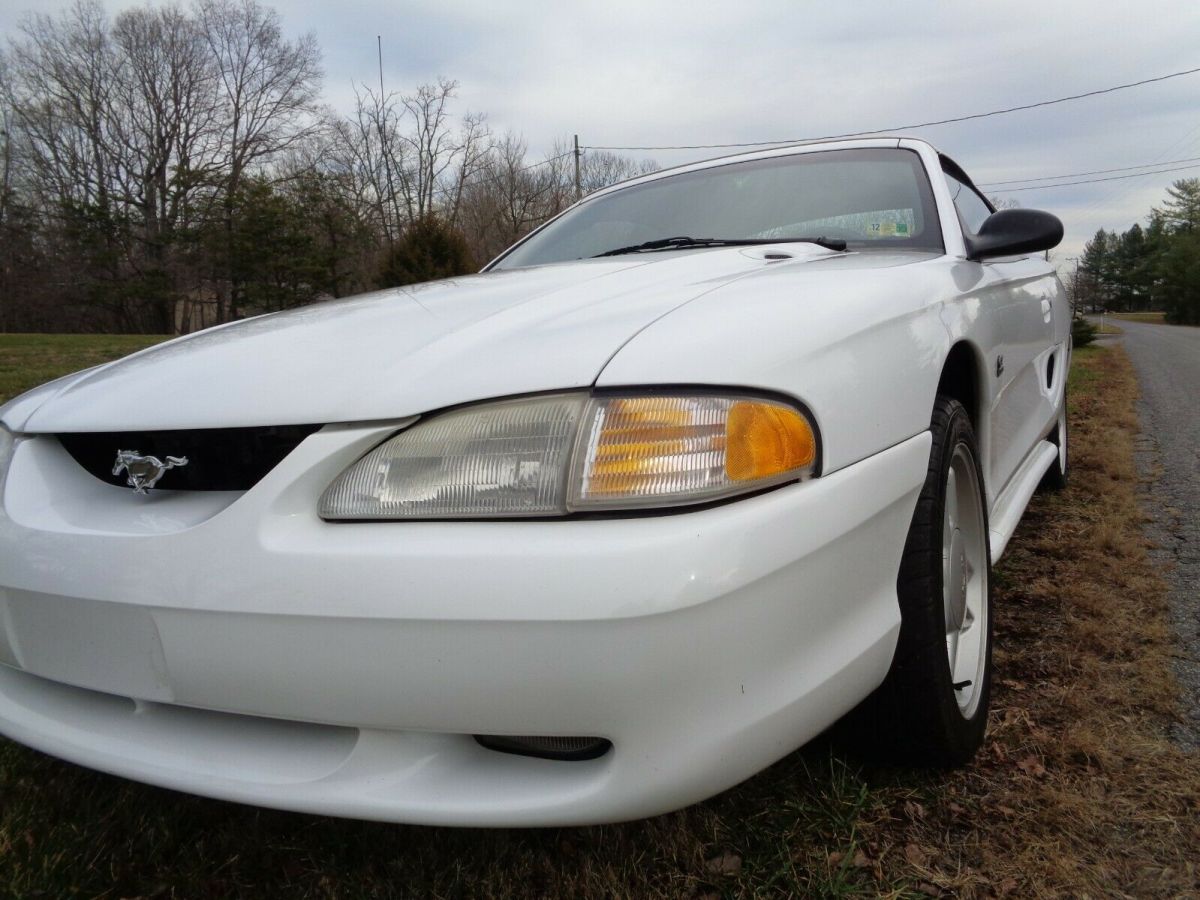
[684, 243]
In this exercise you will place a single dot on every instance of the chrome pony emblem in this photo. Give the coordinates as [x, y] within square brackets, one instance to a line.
[144, 471]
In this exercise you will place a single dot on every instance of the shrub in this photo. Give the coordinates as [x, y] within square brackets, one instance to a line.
[429, 249]
[1083, 332]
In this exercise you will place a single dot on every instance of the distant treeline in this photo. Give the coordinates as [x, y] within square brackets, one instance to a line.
[1156, 267]
[173, 168]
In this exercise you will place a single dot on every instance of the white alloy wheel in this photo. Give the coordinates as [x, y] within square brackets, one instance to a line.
[964, 580]
[1062, 437]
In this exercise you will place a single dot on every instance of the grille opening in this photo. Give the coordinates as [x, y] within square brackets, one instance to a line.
[1050, 370]
[565, 748]
[219, 459]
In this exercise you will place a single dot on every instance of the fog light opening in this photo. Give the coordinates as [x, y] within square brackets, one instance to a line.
[546, 747]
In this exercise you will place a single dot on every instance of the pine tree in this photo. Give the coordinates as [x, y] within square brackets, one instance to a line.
[428, 249]
[1181, 211]
[1094, 271]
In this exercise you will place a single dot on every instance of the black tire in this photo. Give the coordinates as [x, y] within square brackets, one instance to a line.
[914, 717]
[1059, 473]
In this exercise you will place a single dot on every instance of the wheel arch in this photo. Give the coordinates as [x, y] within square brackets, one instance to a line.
[963, 378]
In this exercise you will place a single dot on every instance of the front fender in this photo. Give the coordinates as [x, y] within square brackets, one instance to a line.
[862, 348]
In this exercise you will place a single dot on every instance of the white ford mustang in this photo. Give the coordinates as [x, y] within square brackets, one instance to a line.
[714, 459]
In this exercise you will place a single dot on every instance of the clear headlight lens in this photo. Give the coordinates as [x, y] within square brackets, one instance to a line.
[549, 456]
[500, 459]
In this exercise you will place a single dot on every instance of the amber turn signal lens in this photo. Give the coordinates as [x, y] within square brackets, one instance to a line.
[764, 439]
[675, 449]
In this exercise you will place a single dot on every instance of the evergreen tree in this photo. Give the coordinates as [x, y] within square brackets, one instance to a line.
[1179, 269]
[1127, 269]
[1181, 211]
[1094, 271]
[428, 249]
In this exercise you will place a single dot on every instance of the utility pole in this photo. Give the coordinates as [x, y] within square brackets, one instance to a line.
[578, 185]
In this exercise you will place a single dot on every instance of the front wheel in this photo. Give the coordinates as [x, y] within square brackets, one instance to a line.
[932, 708]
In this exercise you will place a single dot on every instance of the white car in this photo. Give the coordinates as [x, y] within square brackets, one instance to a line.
[715, 458]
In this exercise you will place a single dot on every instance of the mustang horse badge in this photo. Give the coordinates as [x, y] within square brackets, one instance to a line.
[144, 471]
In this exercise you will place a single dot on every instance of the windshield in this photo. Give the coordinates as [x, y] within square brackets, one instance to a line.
[867, 197]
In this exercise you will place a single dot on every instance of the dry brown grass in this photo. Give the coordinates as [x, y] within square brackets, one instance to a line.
[1079, 790]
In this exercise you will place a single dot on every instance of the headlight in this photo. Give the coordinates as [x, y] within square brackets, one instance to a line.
[501, 459]
[554, 455]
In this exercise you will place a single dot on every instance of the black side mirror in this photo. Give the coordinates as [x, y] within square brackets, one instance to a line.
[1012, 232]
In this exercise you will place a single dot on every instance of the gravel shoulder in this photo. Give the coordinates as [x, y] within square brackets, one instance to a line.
[1167, 361]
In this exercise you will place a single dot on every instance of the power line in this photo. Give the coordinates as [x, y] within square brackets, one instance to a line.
[1044, 187]
[486, 175]
[1168, 162]
[546, 162]
[967, 118]
[1106, 196]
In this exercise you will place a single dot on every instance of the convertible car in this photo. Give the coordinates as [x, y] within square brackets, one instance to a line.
[718, 458]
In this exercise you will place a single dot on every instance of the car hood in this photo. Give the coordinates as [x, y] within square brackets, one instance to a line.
[399, 352]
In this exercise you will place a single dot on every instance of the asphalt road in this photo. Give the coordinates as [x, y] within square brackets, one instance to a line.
[1167, 360]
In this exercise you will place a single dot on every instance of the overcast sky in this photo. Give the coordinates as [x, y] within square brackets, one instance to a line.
[619, 72]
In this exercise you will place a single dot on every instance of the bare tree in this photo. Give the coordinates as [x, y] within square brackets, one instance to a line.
[175, 161]
[61, 101]
[508, 196]
[364, 152]
[601, 168]
[6, 192]
[269, 89]
[434, 159]
[474, 141]
[409, 157]
[60, 95]
[165, 120]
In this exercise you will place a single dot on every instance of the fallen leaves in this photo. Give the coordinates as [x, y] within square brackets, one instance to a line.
[916, 856]
[724, 864]
[1031, 765]
[914, 811]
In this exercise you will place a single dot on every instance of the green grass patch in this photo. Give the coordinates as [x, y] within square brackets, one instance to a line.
[1084, 377]
[1153, 318]
[27, 360]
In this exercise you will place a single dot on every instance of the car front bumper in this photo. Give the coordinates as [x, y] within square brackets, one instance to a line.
[237, 646]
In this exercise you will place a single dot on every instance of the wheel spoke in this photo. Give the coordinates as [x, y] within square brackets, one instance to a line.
[951, 501]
